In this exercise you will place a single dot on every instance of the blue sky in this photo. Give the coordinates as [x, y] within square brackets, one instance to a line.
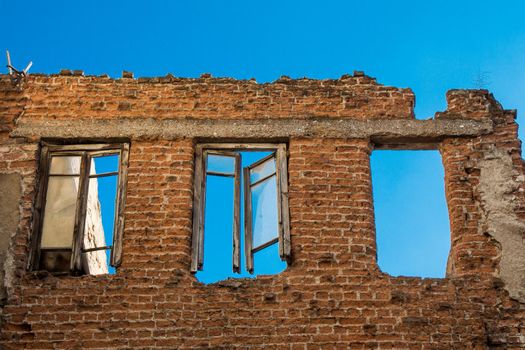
[412, 223]
[107, 194]
[218, 226]
[429, 46]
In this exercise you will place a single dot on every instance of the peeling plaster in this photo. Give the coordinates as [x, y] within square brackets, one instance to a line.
[10, 192]
[498, 186]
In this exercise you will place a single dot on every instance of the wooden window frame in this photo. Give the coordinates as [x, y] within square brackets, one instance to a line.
[236, 175]
[199, 199]
[86, 152]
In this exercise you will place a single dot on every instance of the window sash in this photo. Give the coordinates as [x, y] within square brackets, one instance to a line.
[281, 173]
[199, 205]
[236, 227]
[249, 249]
[284, 214]
[86, 152]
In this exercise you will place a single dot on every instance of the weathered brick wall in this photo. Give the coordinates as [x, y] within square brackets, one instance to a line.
[332, 295]
[206, 97]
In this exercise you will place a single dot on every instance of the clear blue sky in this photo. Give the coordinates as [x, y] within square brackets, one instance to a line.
[218, 230]
[429, 46]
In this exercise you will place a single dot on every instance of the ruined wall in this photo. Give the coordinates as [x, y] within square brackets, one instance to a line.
[9, 216]
[332, 295]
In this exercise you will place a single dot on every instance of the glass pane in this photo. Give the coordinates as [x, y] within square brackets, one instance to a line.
[104, 164]
[264, 212]
[221, 164]
[59, 217]
[65, 165]
[262, 170]
[99, 225]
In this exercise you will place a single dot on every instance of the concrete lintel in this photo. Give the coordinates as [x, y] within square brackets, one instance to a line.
[385, 131]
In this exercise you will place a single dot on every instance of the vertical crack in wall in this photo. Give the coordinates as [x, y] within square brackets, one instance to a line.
[498, 186]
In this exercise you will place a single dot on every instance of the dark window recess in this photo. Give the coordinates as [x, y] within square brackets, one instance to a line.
[78, 220]
[225, 196]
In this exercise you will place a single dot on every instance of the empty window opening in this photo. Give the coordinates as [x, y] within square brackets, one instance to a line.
[236, 182]
[79, 201]
[411, 215]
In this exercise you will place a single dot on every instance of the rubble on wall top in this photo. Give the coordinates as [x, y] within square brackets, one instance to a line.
[461, 103]
[69, 72]
[359, 77]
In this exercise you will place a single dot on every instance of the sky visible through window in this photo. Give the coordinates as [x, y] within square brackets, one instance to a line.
[218, 233]
[107, 194]
[412, 225]
[413, 234]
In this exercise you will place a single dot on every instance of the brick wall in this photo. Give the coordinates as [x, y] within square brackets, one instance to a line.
[332, 295]
[206, 97]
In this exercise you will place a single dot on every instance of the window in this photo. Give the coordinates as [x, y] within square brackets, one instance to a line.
[78, 220]
[258, 193]
[412, 225]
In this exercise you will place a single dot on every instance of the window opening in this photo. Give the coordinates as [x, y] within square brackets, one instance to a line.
[80, 205]
[252, 247]
[411, 215]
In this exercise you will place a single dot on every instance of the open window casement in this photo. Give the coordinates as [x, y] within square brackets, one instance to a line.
[266, 216]
[69, 234]
[263, 219]
[226, 164]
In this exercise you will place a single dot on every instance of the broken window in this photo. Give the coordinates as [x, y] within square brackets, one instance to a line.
[225, 196]
[411, 215]
[78, 218]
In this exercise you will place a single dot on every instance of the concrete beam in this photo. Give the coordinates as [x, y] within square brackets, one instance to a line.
[381, 131]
